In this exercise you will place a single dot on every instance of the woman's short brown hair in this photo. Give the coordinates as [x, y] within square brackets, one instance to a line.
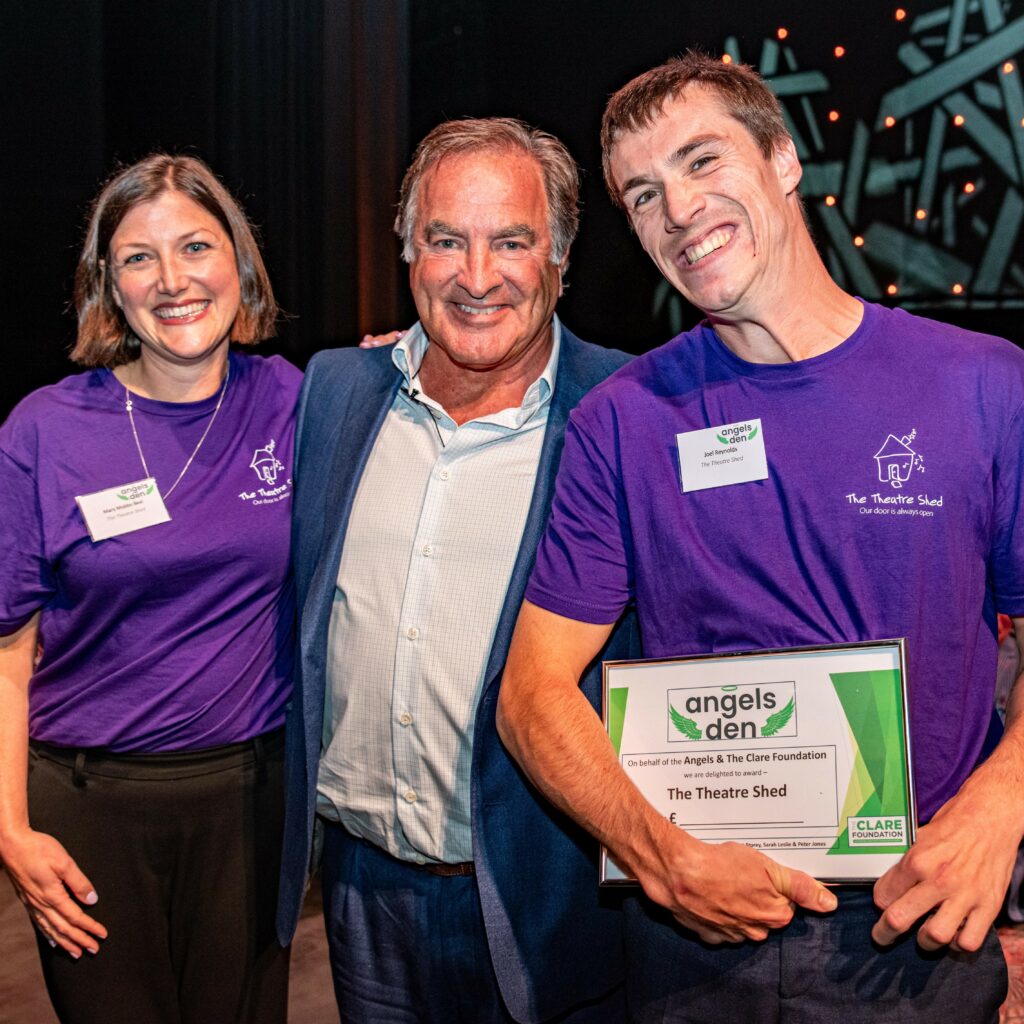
[104, 337]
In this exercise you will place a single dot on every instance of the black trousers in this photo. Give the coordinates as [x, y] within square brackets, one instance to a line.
[183, 850]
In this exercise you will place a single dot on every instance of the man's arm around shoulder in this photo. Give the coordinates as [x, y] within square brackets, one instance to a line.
[726, 892]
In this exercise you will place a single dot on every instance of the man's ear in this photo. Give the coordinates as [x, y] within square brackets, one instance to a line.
[787, 164]
[563, 266]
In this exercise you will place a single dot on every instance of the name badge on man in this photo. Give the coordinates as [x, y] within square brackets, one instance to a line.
[719, 456]
[122, 509]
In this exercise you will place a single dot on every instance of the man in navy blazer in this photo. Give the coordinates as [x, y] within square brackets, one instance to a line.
[452, 890]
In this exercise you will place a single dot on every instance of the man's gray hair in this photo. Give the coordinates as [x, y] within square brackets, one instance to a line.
[561, 176]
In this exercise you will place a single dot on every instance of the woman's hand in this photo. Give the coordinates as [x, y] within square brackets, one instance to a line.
[53, 889]
[45, 877]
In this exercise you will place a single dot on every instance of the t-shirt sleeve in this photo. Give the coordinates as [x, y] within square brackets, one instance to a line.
[26, 577]
[584, 563]
[1008, 520]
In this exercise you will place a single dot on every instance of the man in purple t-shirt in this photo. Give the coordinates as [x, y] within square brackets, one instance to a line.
[888, 507]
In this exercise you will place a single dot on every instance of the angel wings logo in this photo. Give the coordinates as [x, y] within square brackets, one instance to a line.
[742, 712]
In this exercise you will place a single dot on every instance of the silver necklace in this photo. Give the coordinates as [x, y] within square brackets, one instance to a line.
[195, 451]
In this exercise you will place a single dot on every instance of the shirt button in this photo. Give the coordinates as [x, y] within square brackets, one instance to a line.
[410, 796]
[444, 474]
[405, 718]
[427, 550]
[412, 632]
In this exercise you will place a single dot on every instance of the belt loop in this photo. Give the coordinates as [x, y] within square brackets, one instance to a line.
[78, 772]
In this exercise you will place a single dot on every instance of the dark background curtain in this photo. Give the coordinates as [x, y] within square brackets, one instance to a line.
[309, 109]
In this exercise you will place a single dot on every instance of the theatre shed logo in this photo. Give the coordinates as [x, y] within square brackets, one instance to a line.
[266, 464]
[739, 712]
[896, 460]
[270, 469]
[897, 464]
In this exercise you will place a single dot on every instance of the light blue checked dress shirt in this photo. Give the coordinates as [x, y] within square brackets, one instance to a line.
[430, 546]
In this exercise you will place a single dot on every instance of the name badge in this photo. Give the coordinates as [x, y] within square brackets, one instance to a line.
[719, 456]
[122, 509]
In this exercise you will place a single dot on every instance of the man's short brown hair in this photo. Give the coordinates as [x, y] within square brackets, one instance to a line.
[742, 90]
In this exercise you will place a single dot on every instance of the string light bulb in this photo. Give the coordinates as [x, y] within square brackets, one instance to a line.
[858, 240]
[969, 187]
[892, 289]
[890, 121]
[830, 200]
[958, 289]
[1008, 67]
[782, 33]
[726, 58]
[921, 214]
[900, 14]
[833, 116]
[959, 120]
[840, 51]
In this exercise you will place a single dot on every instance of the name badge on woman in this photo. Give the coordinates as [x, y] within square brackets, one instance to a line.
[122, 509]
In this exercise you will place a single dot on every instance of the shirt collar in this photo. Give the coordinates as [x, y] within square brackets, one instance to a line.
[408, 352]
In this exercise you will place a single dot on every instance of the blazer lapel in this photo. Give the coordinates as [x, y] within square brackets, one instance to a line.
[571, 383]
[357, 425]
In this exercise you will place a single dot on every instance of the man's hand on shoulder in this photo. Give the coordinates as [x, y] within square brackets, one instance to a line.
[379, 340]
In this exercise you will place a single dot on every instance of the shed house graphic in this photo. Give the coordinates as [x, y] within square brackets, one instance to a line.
[895, 460]
[266, 464]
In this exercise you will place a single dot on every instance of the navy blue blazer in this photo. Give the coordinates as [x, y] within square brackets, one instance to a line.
[555, 940]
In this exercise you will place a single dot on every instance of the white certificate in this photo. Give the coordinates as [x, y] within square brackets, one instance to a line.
[802, 753]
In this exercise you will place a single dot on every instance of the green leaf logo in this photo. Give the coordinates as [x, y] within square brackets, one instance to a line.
[752, 434]
[687, 726]
[778, 721]
[151, 488]
[721, 439]
[124, 497]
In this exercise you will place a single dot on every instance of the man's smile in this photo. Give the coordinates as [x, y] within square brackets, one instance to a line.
[709, 244]
[478, 310]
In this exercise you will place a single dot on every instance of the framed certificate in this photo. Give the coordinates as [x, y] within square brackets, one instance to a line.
[803, 753]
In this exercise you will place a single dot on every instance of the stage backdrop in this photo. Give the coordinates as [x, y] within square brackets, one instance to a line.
[909, 121]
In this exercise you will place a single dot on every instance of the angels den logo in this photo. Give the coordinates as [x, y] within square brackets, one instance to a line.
[741, 712]
[737, 434]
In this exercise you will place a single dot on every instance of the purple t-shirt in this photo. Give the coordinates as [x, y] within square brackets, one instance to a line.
[827, 549]
[178, 636]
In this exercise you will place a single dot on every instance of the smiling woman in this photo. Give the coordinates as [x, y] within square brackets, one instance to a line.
[144, 541]
[173, 276]
[156, 203]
